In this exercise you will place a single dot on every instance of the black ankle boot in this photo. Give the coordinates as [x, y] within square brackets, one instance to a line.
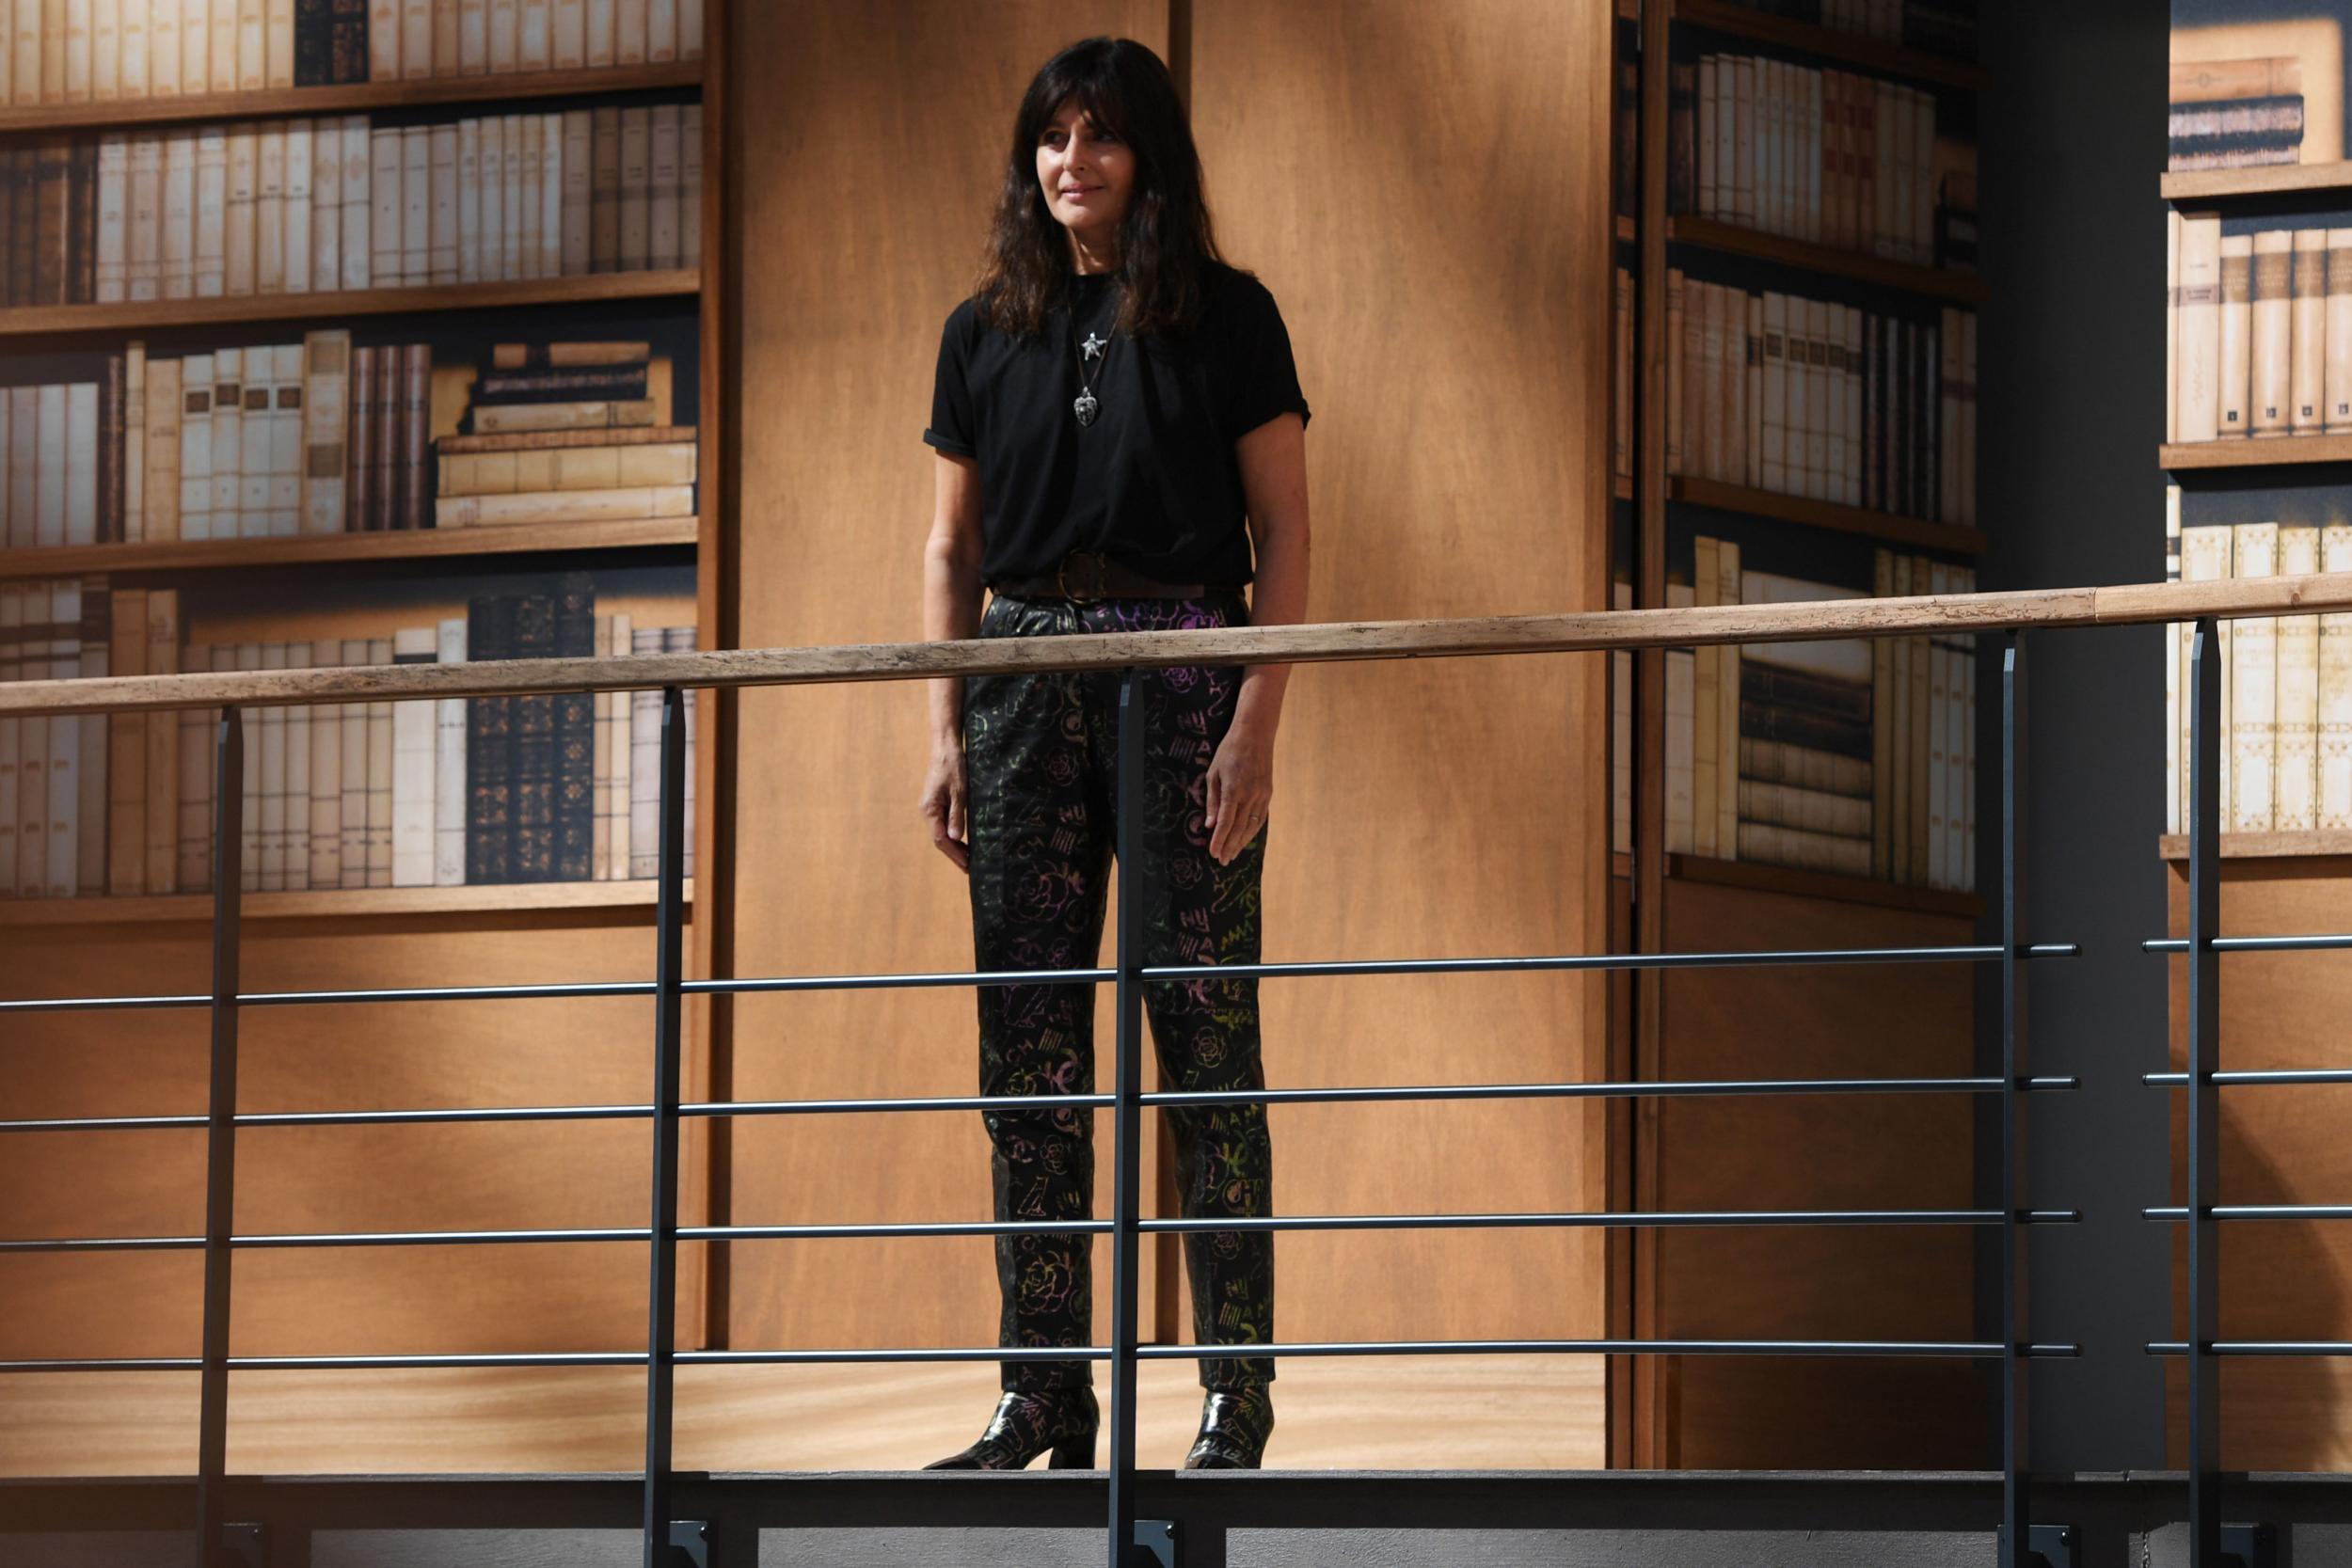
[1025, 1425]
[1234, 1425]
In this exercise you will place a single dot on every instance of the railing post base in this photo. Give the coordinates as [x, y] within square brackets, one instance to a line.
[1155, 1544]
[2046, 1546]
[690, 1544]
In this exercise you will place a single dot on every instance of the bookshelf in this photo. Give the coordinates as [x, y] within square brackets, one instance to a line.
[558, 900]
[347, 98]
[2221, 185]
[237, 555]
[1699, 1024]
[45, 320]
[2242, 452]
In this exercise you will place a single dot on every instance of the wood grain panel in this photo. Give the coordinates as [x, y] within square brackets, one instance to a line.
[2286, 1279]
[1815, 1152]
[334, 1179]
[839, 314]
[1448, 807]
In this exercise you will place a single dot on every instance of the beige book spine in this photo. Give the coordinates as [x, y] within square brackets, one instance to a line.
[269, 209]
[550, 218]
[511, 195]
[77, 52]
[196, 447]
[1709, 429]
[528, 246]
[449, 765]
[563, 416]
[2339, 332]
[357, 726]
[2335, 690]
[1677, 369]
[1679, 704]
[221, 63]
[132, 461]
[161, 454]
[567, 35]
[126, 759]
[690, 212]
[241, 152]
[1728, 709]
[2236, 337]
[578, 192]
[227, 444]
[278, 43]
[619, 705]
[662, 206]
[196, 47]
[1706, 708]
[81, 464]
[301, 205]
[252, 69]
[447, 44]
[151, 48]
[414, 725]
[2200, 300]
[601, 37]
[507, 473]
[197, 730]
[2254, 673]
[601, 770]
[491, 132]
[162, 845]
[25, 53]
[565, 506]
[2172, 324]
[1802, 850]
[2307, 373]
[416, 40]
[106, 49]
[1881, 723]
[358, 204]
[660, 31]
[690, 29]
[326, 867]
[177, 240]
[473, 36]
[2298, 782]
[628, 32]
[326, 437]
[380, 776]
[212, 210]
[416, 205]
[2274, 333]
[2171, 666]
[533, 440]
[468, 200]
[505, 37]
[441, 219]
[295, 802]
[532, 46]
[635, 189]
[2218, 80]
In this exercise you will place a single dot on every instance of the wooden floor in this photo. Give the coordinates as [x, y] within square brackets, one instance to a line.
[1461, 1412]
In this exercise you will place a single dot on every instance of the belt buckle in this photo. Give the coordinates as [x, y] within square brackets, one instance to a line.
[1061, 580]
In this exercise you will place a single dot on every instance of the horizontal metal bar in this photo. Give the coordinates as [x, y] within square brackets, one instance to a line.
[2257, 1212]
[2266, 1075]
[1051, 1102]
[2256, 1347]
[1628, 1220]
[2252, 944]
[575, 989]
[1968, 1348]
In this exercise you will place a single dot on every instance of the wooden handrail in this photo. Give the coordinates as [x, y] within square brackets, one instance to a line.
[2130, 604]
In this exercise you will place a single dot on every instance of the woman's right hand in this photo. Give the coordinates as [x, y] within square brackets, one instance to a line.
[942, 804]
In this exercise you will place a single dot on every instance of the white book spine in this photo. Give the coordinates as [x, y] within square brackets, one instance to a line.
[325, 868]
[473, 36]
[242, 150]
[449, 799]
[294, 802]
[490, 258]
[416, 205]
[618, 707]
[2298, 782]
[2253, 666]
[211, 210]
[383, 40]
[2335, 690]
[286, 442]
[196, 447]
[269, 209]
[442, 235]
[179, 214]
[298, 249]
[354, 776]
[416, 46]
[468, 200]
[257, 445]
[601, 36]
[133, 475]
[384, 222]
[326, 452]
[645, 766]
[359, 206]
[81, 463]
[504, 39]
[112, 269]
[532, 44]
[144, 252]
[414, 768]
[567, 34]
[228, 424]
[327, 204]
[271, 841]
[690, 29]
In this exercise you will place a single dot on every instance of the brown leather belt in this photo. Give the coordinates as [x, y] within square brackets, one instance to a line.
[1087, 575]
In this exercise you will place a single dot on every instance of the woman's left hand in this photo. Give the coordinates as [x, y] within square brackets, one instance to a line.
[1240, 789]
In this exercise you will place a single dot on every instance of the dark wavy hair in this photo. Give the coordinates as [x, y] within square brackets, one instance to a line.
[1164, 241]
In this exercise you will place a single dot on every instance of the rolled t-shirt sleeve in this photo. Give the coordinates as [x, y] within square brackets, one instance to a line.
[1261, 375]
[952, 429]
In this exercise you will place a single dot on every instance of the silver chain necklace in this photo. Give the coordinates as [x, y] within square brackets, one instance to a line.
[1084, 405]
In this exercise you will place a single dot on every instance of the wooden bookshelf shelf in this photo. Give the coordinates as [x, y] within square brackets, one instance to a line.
[1822, 884]
[199, 555]
[1888, 59]
[119, 113]
[2242, 452]
[1960, 288]
[344, 903]
[149, 315]
[2335, 841]
[1917, 532]
[2217, 185]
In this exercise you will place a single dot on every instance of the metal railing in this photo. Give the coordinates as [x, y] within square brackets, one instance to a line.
[1128, 1539]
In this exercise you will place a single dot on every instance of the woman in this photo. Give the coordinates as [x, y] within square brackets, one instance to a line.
[1118, 423]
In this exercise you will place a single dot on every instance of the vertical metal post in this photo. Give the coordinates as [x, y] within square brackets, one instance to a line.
[2016, 1501]
[2204, 1100]
[220, 1148]
[1127, 1120]
[668, 1013]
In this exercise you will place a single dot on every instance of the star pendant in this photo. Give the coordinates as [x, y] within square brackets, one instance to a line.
[1093, 345]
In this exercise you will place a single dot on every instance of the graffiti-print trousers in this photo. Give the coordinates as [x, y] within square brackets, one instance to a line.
[1041, 768]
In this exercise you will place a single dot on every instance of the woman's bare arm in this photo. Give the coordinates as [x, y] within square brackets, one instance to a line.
[1273, 483]
[951, 578]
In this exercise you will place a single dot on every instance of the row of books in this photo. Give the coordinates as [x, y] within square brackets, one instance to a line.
[2259, 331]
[1828, 157]
[420, 794]
[1851, 755]
[1939, 26]
[2286, 682]
[317, 437]
[98, 51]
[2235, 114]
[301, 206]
[1807, 397]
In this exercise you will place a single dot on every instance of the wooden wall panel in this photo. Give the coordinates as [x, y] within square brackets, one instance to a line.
[457, 1176]
[1425, 191]
[1815, 1152]
[2284, 1279]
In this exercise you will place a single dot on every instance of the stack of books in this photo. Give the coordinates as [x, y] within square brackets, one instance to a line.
[1851, 756]
[2287, 681]
[356, 794]
[2236, 113]
[2259, 331]
[81, 51]
[1807, 397]
[303, 206]
[317, 437]
[1828, 157]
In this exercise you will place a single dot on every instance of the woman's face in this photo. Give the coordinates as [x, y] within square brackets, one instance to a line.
[1085, 173]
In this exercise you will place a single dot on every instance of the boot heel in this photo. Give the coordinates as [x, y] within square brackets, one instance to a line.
[1074, 1453]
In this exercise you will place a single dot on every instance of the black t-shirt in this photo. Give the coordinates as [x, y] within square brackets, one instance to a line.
[1154, 482]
